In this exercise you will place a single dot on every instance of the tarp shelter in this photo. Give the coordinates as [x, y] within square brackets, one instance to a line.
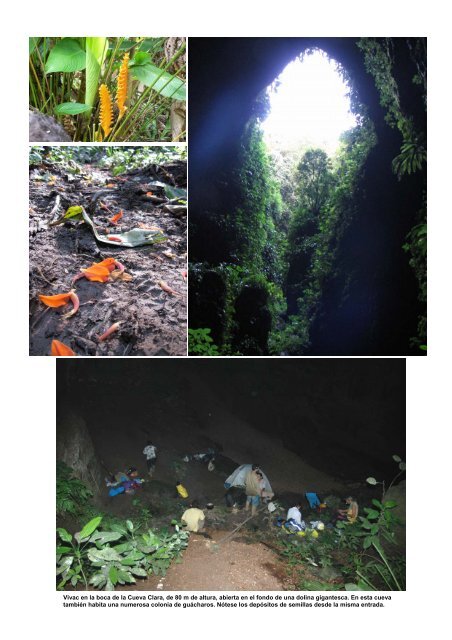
[237, 478]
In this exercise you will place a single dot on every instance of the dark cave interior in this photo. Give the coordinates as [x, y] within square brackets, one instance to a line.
[306, 421]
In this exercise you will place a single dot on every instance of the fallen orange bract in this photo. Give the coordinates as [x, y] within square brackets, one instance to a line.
[96, 273]
[100, 271]
[61, 299]
[117, 217]
[60, 349]
[56, 301]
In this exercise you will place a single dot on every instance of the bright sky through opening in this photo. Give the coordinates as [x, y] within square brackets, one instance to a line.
[310, 106]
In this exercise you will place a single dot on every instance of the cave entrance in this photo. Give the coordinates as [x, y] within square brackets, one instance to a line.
[309, 105]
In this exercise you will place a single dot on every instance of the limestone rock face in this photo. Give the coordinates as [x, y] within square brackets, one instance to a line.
[43, 128]
[75, 448]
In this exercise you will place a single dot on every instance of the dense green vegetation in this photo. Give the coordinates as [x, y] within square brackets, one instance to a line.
[366, 555]
[111, 89]
[105, 551]
[280, 235]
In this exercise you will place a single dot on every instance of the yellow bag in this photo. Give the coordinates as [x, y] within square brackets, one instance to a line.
[182, 491]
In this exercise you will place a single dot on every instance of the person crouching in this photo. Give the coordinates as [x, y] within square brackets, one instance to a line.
[194, 518]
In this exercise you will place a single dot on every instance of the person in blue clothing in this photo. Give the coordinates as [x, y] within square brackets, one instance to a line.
[314, 500]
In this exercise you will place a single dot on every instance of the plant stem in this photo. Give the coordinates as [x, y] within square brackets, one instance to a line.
[383, 557]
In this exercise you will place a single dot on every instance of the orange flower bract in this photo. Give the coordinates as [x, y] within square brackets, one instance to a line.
[106, 109]
[96, 273]
[60, 349]
[55, 301]
[123, 78]
[60, 300]
[117, 217]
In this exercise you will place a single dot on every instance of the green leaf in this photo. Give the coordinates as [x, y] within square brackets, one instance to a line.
[113, 575]
[73, 212]
[102, 537]
[61, 550]
[161, 81]
[103, 555]
[390, 504]
[126, 45]
[67, 56]
[90, 528]
[71, 108]
[140, 58]
[371, 481]
[129, 524]
[372, 514]
[138, 571]
[65, 564]
[397, 458]
[96, 50]
[149, 44]
[124, 547]
[402, 466]
[98, 580]
[175, 192]
[64, 535]
[377, 503]
[367, 542]
[125, 576]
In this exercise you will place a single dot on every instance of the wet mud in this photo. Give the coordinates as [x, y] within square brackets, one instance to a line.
[152, 321]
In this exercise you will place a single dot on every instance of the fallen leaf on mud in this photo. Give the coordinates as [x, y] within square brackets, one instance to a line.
[163, 285]
[73, 212]
[149, 193]
[117, 217]
[60, 349]
[177, 210]
[114, 327]
[110, 186]
[117, 274]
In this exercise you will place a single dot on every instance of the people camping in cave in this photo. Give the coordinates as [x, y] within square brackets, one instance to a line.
[244, 480]
[294, 520]
[194, 518]
[350, 514]
[150, 451]
[124, 482]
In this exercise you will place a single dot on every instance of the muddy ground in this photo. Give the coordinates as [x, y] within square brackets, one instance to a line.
[153, 322]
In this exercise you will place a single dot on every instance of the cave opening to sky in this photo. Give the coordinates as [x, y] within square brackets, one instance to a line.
[309, 105]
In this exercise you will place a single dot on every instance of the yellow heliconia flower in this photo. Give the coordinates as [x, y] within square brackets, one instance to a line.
[106, 109]
[121, 93]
